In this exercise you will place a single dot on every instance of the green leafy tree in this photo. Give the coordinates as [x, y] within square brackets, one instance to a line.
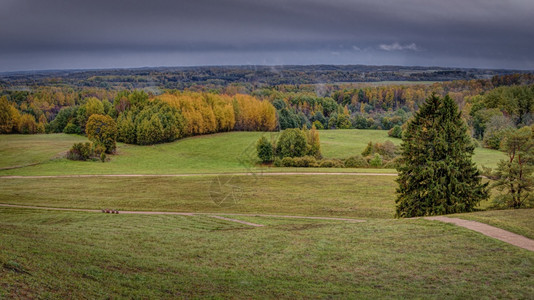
[288, 119]
[265, 150]
[66, 116]
[169, 126]
[72, 128]
[395, 132]
[292, 143]
[150, 131]
[436, 174]
[102, 130]
[515, 174]
[126, 128]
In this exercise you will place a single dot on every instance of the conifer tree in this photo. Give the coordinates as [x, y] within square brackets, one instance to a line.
[436, 175]
[515, 174]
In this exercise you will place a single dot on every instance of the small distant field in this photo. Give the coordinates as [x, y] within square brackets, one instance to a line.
[217, 153]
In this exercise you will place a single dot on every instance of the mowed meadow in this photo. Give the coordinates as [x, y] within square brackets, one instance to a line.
[78, 254]
[215, 153]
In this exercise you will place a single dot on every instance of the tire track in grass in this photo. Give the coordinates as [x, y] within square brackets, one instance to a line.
[213, 215]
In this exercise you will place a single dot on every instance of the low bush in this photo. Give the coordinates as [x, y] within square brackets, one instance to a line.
[287, 162]
[81, 151]
[305, 162]
[87, 151]
[376, 161]
[392, 164]
[356, 161]
[331, 163]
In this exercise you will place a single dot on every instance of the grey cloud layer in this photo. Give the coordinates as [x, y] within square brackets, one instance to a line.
[410, 31]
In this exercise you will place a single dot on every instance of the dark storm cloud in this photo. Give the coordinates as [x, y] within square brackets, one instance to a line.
[113, 33]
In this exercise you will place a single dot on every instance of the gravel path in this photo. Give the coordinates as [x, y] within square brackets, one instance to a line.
[494, 232]
[197, 174]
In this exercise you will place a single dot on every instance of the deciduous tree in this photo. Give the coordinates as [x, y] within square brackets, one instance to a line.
[102, 130]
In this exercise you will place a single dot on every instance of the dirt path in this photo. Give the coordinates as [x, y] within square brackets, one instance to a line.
[197, 174]
[214, 215]
[494, 232]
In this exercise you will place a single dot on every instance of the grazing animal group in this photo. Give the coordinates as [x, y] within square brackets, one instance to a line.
[110, 211]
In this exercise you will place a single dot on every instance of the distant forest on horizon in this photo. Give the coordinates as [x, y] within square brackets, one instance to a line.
[213, 77]
[202, 100]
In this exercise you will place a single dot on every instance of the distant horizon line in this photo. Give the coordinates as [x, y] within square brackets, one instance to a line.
[251, 65]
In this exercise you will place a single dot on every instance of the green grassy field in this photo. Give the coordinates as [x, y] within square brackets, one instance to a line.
[217, 153]
[54, 254]
[90, 255]
[353, 196]
[20, 150]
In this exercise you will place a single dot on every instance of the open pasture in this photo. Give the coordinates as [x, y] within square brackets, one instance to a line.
[217, 153]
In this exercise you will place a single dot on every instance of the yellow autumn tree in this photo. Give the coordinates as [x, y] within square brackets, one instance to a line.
[209, 113]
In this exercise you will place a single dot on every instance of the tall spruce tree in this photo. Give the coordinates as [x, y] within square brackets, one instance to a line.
[437, 175]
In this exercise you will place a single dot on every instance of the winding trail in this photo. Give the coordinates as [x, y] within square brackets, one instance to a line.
[196, 174]
[491, 231]
[488, 230]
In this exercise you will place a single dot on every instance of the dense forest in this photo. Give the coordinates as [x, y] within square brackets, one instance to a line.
[243, 78]
[63, 102]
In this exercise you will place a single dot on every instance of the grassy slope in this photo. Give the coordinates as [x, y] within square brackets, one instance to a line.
[20, 150]
[352, 196]
[227, 152]
[361, 196]
[97, 255]
[88, 255]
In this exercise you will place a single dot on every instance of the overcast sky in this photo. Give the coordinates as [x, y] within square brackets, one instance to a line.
[66, 34]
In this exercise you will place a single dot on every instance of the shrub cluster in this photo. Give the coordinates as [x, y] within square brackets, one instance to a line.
[377, 155]
[87, 151]
[356, 161]
[293, 143]
[387, 150]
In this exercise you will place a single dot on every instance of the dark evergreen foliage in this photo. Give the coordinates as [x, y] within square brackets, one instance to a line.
[437, 175]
